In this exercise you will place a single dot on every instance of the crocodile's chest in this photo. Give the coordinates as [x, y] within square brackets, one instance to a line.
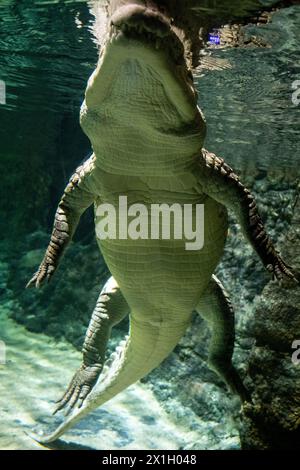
[175, 252]
[137, 129]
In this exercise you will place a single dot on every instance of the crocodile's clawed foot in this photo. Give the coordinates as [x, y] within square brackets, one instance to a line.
[44, 274]
[80, 387]
[282, 272]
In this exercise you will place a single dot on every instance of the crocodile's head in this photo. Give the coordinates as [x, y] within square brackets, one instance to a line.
[164, 37]
[142, 47]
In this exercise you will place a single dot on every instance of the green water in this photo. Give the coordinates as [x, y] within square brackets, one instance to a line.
[252, 120]
[46, 56]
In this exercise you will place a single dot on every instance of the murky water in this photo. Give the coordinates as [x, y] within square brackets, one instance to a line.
[46, 56]
[252, 120]
[32, 380]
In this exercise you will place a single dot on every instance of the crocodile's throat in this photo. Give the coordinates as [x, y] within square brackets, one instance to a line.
[140, 111]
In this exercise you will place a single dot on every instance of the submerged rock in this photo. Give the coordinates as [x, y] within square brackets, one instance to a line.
[273, 420]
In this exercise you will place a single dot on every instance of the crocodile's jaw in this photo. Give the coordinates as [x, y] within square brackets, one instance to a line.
[142, 87]
[152, 46]
[144, 34]
[121, 49]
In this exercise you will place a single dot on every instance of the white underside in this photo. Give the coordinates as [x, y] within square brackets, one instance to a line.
[139, 114]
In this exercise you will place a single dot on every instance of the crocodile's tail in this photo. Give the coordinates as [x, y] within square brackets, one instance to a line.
[147, 345]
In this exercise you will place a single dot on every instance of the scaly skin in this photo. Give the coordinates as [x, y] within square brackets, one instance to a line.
[141, 115]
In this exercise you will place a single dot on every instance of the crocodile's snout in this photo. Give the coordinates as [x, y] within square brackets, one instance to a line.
[141, 19]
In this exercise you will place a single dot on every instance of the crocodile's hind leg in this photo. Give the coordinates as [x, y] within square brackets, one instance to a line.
[111, 308]
[216, 308]
[150, 341]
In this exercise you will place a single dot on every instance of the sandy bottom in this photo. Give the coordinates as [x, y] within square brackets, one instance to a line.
[36, 372]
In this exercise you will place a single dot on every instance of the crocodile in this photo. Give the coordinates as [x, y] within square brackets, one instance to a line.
[147, 133]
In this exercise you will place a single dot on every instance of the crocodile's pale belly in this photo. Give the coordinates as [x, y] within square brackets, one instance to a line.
[137, 128]
[162, 275]
[147, 134]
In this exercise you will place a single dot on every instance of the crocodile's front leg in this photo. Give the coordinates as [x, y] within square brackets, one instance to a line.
[76, 199]
[217, 180]
[111, 308]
